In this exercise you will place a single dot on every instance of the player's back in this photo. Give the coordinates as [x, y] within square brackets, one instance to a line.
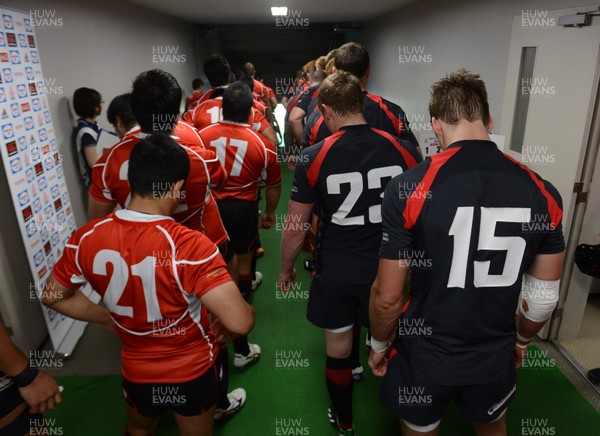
[478, 218]
[109, 174]
[379, 113]
[149, 271]
[207, 113]
[349, 172]
[197, 209]
[245, 155]
[307, 96]
[211, 112]
[192, 100]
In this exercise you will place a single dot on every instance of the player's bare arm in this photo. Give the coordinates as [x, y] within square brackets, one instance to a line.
[545, 269]
[385, 307]
[98, 209]
[72, 303]
[272, 194]
[42, 393]
[270, 134]
[225, 302]
[296, 117]
[294, 232]
[91, 155]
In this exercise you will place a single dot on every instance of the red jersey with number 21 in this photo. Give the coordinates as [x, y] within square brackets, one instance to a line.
[151, 273]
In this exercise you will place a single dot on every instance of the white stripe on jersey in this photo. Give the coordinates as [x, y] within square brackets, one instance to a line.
[207, 195]
[265, 149]
[245, 186]
[194, 304]
[85, 235]
[106, 189]
[198, 262]
[139, 217]
[195, 311]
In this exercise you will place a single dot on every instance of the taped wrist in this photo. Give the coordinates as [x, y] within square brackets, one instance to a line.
[379, 346]
[538, 298]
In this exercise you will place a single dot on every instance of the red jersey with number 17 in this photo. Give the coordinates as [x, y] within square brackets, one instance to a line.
[247, 157]
[151, 273]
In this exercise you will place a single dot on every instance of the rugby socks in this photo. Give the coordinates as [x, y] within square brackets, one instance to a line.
[240, 345]
[245, 285]
[223, 386]
[253, 266]
[354, 354]
[338, 374]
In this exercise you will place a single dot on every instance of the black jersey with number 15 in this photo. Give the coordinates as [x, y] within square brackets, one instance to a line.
[471, 220]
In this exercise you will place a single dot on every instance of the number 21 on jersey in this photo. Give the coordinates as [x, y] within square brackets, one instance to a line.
[118, 282]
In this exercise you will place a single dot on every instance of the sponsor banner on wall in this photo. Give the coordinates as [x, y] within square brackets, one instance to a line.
[32, 161]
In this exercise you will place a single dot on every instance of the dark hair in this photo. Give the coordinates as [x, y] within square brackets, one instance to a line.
[155, 101]
[197, 83]
[244, 77]
[155, 164]
[217, 70]
[237, 101]
[120, 106]
[461, 94]
[352, 57]
[248, 68]
[85, 101]
[342, 93]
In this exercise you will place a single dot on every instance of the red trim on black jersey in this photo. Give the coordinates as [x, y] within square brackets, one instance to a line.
[415, 202]
[315, 130]
[408, 158]
[398, 124]
[554, 209]
[315, 95]
[405, 307]
[313, 172]
[294, 102]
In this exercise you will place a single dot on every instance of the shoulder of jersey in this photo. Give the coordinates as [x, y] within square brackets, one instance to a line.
[119, 148]
[201, 105]
[209, 128]
[378, 98]
[93, 223]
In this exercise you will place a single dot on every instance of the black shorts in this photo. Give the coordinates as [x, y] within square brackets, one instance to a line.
[23, 424]
[226, 250]
[240, 219]
[10, 399]
[332, 306]
[190, 398]
[409, 394]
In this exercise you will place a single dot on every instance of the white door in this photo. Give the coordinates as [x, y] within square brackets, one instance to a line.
[549, 103]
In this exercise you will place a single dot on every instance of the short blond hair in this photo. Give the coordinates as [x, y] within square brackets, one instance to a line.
[460, 95]
[342, 93]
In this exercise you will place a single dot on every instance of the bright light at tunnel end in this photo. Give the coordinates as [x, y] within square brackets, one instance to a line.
[277, 11]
